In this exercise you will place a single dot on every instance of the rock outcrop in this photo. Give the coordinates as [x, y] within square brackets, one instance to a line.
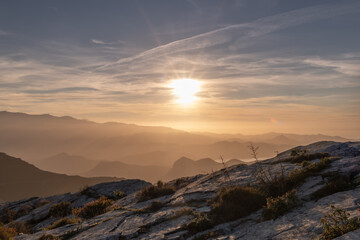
[130, 219]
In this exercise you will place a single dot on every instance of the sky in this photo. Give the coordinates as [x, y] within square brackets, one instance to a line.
[263, 66]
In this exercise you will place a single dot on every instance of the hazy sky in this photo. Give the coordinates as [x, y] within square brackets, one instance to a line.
[270, 65]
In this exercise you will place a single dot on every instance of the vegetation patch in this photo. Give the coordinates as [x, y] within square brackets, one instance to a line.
[183, 212]
[63, 222]
[305, 163]
[7, 215]
[275, 184]
[118, 194]
[280, 205]
[7, 232]
[94, 208]
[210, 235]
[181, 182]
[20, 227]
[200, 223]
[60, 210]
[336, 183]
[86, 190]
[337, 223]
[236, 202]
[49, 237]
[155, 191]
[154, 206]
[298, 176]
[299, 158]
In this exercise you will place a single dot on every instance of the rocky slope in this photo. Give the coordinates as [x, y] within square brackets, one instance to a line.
[168, 218]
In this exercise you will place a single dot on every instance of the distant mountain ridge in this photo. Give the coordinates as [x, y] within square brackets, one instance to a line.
[66, 144]
[66, 164]
[19, 179]
[119, 169]
[185, 167]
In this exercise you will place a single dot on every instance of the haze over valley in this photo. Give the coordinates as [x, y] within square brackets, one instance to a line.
[80, 147]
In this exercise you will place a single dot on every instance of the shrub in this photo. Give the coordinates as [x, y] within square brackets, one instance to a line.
[271, 183]
[308, 157]
[49, 237]
[42, 202]
[154, 206]
[321, 165]
[210, 235]
[20, 227]
[200, 223]
[278, 206]
[183, 212]
[298, 176]
[277, 184]
[118, 194]
[63, 222]
[7, 232]
[7, 215]
[236, 202]
[337, 183]
[86, 190]
[94, 208]
[60, 210]
[337, 223]
[24, 210]
[181, 182]
[305, 163]
[152, 191]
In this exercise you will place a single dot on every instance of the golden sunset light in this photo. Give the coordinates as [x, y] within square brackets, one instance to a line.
[185, 90]
[187, 119]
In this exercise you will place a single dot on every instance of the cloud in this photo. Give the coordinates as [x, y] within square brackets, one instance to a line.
[96, 41]
[100, 42]
[344, 65]
[3, 33]
[243, 32]
[61, 90]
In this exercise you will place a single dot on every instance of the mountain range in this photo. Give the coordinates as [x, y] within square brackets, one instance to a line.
[72, 146]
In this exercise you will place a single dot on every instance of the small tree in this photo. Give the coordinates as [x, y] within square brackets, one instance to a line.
[271, 183]
[225, 170]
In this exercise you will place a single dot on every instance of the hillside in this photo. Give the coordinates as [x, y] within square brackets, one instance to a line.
[193, 208]
[19, 179]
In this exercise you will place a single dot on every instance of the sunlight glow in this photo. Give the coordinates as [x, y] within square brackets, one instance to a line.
[185, 90]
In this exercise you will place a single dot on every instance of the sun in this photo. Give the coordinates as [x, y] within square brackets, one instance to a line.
[185, 90]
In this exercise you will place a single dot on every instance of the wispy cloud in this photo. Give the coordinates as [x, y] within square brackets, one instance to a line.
[244, 32]
[2, 32]
[96, 41]
[101, 42]
[250, 72]
[61, 90]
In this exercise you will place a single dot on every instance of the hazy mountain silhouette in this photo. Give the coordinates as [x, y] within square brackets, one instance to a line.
[65, 163]
[19, 179]
[119, 169]
[34, 137]
[273, 138]
[184, 167]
